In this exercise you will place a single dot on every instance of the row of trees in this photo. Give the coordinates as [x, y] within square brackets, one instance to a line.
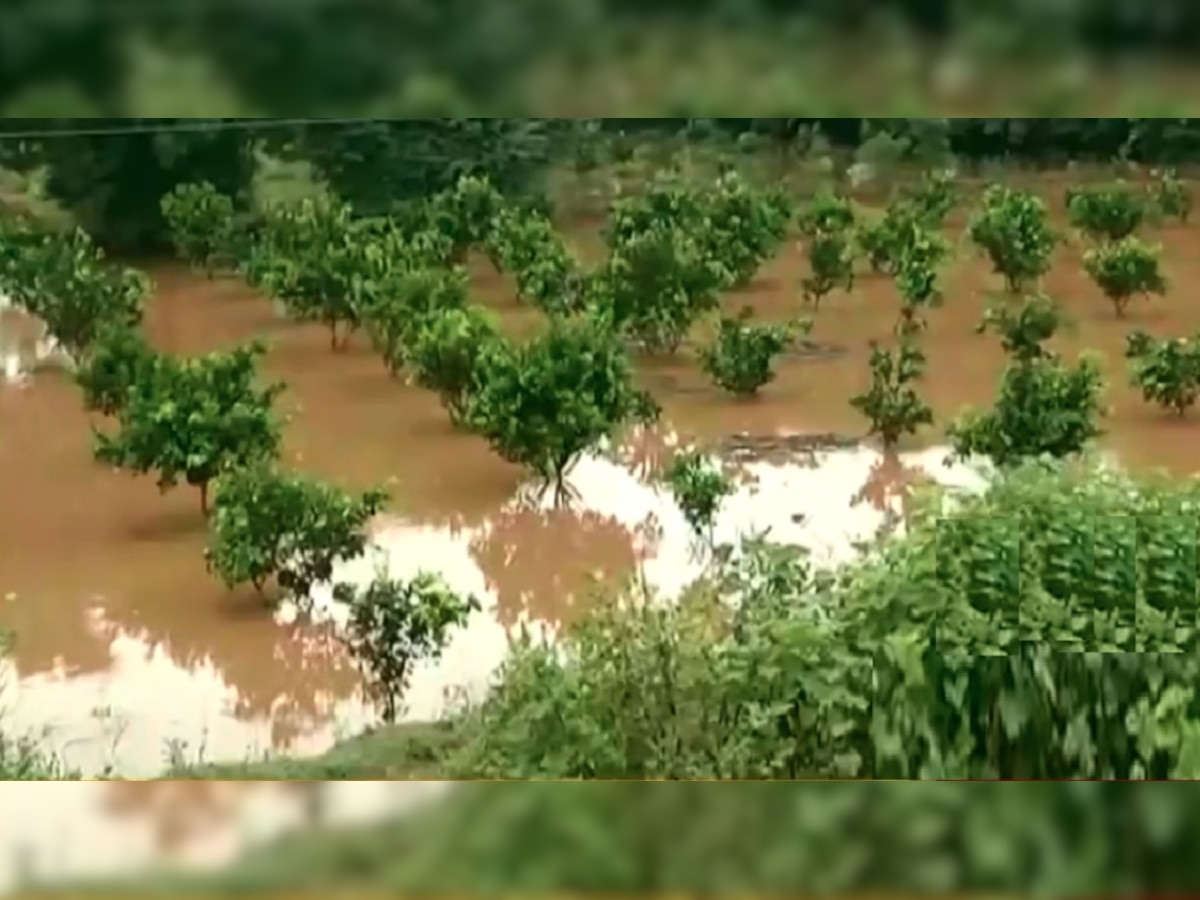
[112, 182]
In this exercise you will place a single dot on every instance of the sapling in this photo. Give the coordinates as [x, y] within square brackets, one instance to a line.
[831, 265]
[394, 624]
[699, 487]
[917, 278]
[1125, 269]
[891, 403]
[1108, 212]
[742, 355]
[1013, 228]
[267, 523]
[1165, 370]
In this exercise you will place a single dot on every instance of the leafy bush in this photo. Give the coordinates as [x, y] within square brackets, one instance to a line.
[192, 419]
[270, 524]
[1125, 269]
[395, 624]
[989, 641]
[1013, 228]
[543, 403]
[741, 357]
[1165, 370]
[200, 221]
[885, 238]
[1109, 212]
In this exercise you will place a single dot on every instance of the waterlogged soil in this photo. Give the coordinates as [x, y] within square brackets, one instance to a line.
[129, 653]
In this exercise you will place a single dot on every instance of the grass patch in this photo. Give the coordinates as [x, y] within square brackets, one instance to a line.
[414, 752]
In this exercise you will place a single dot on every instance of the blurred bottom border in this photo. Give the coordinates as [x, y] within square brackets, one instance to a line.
[893, 838]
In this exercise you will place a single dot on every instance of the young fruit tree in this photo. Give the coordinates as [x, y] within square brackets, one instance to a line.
[447, 352]
[1108, 212]
[1044, 408]
[395, 624]
[891, 403]
[192, 419]
[916, 272]
[1165, 370]
[118, 359]
[67, 283]
[827, 212]
[1013, 228]
[885, 238]
[1170, 197]
[202, 226]
[656, 284]
[406, 300]
[933, 197]
[743, 226]
[543, 403]
[291, 527]
[741, 357]
[1024, 329]
[699, 487]
[1125, 269]
[316, 259]
[465, 214]
[666, 202]
[830, 265]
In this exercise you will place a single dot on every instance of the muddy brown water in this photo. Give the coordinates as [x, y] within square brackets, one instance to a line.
[103, 579]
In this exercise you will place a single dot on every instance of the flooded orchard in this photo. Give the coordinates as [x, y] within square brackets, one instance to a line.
[129, 653]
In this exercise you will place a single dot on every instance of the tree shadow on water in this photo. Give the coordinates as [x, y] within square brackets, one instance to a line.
[538, 561]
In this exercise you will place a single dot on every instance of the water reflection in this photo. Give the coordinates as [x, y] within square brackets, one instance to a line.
[532, 567]
[24, 344]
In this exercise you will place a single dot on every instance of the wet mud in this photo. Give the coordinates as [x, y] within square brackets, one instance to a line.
[129, 653]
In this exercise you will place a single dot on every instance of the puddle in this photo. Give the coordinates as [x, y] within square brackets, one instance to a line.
[146, 706]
